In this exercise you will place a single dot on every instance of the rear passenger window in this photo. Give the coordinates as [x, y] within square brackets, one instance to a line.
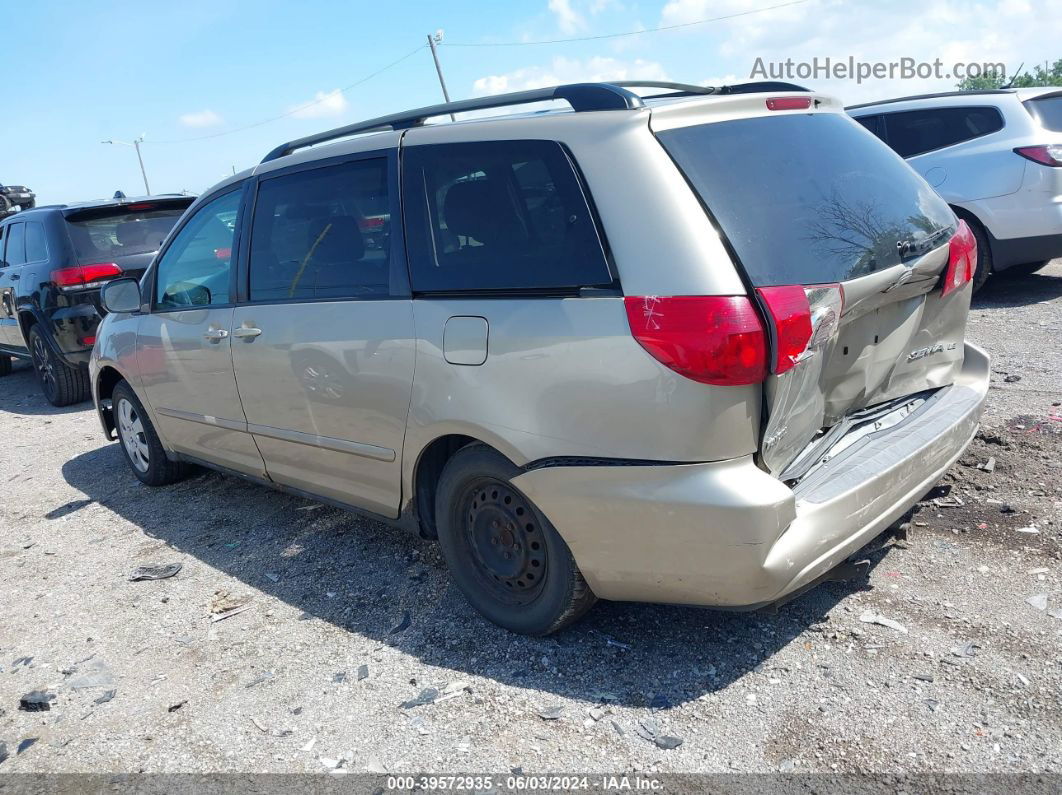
[499, 215]
[36, 246]
[322, 233]
[873, 123]
[916, 132]
[15, 251]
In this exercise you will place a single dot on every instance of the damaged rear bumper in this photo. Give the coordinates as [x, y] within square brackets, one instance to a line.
[727, 534]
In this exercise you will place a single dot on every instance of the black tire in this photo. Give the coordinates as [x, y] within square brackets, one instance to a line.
[135, 432]
[1024, 269]
[5, 365]
[984, 252]
[61, 384]
[504, 555]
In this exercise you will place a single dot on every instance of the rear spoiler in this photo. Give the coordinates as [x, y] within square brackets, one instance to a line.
[121, 208]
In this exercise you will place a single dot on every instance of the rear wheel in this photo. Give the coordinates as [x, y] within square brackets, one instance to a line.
[140, 443]
[61, 384]
[5, 365]
[984, 254]
[504, 555]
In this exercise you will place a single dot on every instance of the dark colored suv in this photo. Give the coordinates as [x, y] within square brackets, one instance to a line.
[53, 261]
[15, 196]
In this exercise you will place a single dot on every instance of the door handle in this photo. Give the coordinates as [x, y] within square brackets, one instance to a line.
[215, 334]
[246, 332]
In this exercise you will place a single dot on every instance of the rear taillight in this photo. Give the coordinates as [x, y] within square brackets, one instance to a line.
[721, 339]
[81, 277]
[1049, 155]
[711, 339]
[789, 103]
[962, 259]
[791, 314]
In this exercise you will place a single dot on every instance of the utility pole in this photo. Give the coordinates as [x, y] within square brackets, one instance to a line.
[136, 145]
[434, 39]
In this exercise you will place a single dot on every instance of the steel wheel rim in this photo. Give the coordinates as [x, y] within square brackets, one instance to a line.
[43, 364]
[508, 550]
[131, 429]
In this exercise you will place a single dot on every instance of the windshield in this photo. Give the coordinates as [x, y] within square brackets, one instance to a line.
[809, 198]
[1047, 111]
[121, 232]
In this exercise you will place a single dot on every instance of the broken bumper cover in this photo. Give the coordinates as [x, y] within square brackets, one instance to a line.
[727, 534]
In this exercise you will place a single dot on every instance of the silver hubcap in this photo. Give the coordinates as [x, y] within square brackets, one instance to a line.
[134, 440]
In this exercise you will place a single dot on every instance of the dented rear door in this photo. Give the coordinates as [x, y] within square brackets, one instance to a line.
[818, 212]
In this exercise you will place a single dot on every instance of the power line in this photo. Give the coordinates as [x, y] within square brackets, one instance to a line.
[626, 33]
[300, 108]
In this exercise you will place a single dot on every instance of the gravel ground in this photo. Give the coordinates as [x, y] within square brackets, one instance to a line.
[347, 622]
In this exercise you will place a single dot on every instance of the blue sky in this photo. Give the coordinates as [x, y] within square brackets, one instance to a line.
[87, 71]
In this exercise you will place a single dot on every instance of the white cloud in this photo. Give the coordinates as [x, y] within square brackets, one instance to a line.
[569, 70]
[1007, 31]
[567, 19]
[323, 104]
[201, 118]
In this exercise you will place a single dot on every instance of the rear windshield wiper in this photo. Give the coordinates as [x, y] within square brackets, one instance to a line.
[910, 249]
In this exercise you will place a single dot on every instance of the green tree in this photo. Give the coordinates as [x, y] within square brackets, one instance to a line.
[1042, 75]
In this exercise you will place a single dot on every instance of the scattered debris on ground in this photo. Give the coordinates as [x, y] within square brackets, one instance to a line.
[971, 686]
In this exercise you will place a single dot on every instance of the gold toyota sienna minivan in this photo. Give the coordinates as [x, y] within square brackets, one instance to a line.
[680, 344]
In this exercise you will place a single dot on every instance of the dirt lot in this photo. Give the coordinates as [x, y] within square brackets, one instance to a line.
[348, 622]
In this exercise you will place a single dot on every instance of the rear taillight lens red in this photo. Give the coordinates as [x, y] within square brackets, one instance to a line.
[82, 276]
[1049, 155]
[791, 313]
[711, 339]
[962, 259]
[789, 103]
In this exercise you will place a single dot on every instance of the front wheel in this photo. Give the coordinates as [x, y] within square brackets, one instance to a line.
[61, 384]
[504, 555]
[143, 450]
[5, 365]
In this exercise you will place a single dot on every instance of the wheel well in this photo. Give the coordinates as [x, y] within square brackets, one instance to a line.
[964, 213]
[108, 379]
[26, 320]
[426, 478]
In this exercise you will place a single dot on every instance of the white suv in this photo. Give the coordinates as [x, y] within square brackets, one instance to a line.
[995, 156]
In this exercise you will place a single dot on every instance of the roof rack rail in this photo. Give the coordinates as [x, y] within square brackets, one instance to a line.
[677, 89]
[581, 96]
[760, 87]
[938, 95]
[689, 89]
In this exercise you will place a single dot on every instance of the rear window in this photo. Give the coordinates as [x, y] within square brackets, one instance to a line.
[118, 232]
[810, 198]
[498, 215]
[1047, 111]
